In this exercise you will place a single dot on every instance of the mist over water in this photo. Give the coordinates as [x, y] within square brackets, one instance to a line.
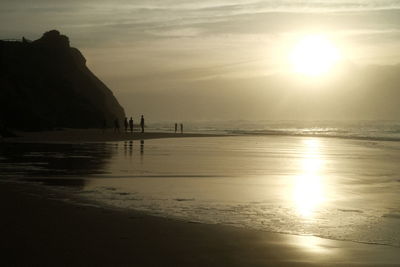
[330, 187]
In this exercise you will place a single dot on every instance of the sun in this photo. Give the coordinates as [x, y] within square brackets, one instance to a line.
[314, 55]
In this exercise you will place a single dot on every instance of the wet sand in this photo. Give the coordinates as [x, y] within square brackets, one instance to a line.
[93, 135]
[38, 228]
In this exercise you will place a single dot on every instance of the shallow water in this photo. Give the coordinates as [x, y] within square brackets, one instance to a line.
[334, 188]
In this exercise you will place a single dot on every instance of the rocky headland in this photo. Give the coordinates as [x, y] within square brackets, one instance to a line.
[45, 84]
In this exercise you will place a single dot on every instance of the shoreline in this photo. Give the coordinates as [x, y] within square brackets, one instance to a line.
[98, 136]
[46, 227]
[95, 136]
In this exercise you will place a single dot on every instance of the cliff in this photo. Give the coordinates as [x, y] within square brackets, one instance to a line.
[46, 84]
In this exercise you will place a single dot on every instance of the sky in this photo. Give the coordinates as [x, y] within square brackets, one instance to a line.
[225, 59]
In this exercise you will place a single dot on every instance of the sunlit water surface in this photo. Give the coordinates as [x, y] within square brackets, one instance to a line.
[334, 188]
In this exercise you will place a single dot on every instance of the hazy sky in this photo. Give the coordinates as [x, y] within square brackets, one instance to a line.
[221, 59]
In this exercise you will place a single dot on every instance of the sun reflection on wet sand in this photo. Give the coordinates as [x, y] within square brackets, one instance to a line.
[312, 244]
[308, 187]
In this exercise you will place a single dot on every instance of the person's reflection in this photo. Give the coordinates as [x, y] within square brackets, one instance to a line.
[125, 148]
[130, 148]
[141, 147]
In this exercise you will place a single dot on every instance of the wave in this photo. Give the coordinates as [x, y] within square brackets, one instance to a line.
[308, 133]
[392, 215]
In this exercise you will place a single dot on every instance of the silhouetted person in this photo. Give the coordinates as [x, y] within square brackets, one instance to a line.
[176, 127]
[116, 125]
[142, 123]
[126, 124]
[131, 124]
[181, 128]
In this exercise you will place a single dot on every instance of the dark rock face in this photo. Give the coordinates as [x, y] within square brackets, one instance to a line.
[46, 84]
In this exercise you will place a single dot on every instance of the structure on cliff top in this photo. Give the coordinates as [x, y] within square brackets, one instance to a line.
[46, 84]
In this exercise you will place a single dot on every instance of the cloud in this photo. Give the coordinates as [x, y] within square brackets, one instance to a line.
[212, 45]
[174, 18]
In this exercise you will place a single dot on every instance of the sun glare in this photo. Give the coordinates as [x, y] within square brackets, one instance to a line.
[308, 187]
[314, 55]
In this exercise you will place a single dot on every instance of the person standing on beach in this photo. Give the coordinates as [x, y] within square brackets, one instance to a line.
[176, 127]
[126, 124]
[131, 124]
[142, 123]
[181, 128]
[116, 125]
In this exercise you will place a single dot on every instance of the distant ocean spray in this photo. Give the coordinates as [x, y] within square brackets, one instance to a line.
[366, 130]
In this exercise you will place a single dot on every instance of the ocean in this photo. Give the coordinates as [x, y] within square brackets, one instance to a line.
[332, 182]
[369, 130]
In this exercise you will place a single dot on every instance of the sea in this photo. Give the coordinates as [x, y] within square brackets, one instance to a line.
[386, 130]
[336, 180]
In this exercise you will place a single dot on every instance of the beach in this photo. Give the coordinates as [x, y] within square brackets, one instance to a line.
[92, 135]
[91, 222]
[39, 228]
[200, 133]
